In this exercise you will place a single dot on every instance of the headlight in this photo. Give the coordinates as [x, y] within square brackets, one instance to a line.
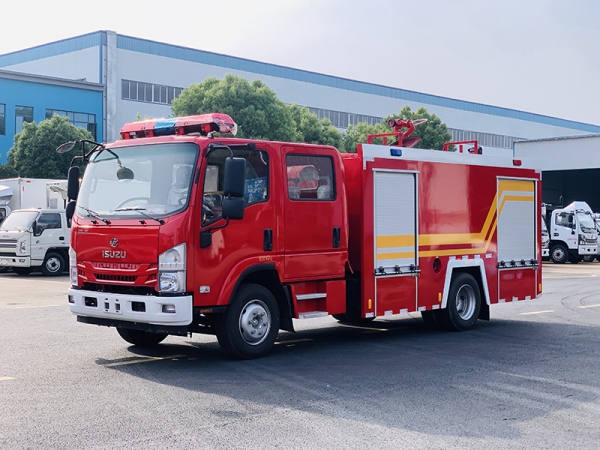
[23, 247]
[73, 266]
[172, 270]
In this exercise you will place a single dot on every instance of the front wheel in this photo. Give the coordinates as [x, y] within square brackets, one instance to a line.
[589, 258]
[53, 265]
[464, 304]
[249, 327]
[141, 338]
[559, 254]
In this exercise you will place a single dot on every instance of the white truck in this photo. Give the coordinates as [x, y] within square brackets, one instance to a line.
[35, 239]
[23, 193]
[573, 233]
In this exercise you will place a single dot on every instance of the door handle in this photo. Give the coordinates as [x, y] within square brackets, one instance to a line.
[268, 240]
[336, 237]
[61, 238]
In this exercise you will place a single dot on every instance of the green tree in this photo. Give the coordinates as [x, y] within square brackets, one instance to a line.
[433, 133]
[256, 109]
[312, 130]
[6, 172]
[34, 153]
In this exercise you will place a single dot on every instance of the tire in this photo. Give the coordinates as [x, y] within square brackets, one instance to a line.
[464, 304]
[432, 319]
[249, 327]
[141, 338]
[54, 265]
[559, 254]
[589, 258]
[22, 270]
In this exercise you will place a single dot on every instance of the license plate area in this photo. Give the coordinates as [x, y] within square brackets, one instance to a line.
[112, 305]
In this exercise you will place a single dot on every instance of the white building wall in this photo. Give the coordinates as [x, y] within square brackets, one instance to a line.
[83, 65]
[560, 154]
[162, 70]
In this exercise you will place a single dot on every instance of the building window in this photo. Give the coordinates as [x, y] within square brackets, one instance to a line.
[22, 114]
[148, 92]
[2, 119]
[81, 120]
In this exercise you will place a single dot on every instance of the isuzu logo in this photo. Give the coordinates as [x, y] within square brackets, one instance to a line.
[113, 254]
[114, 242]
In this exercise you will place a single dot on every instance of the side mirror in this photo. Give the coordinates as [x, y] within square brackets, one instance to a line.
[37, 231]
[233, 208]
[73, 183]
[234, 178]
[70, 210]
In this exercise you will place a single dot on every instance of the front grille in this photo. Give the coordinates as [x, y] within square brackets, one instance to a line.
[8, 243]
[114, 265]
[12, 254]
[123, 278]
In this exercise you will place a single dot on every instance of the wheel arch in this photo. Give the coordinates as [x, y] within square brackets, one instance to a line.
[476, 268]
[266, 275]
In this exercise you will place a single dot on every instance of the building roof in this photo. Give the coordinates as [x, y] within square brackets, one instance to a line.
[99, 38]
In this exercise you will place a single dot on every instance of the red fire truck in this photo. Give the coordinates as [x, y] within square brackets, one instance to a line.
[178, 231]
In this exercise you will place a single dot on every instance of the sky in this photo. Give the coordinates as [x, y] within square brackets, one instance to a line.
[539, 56]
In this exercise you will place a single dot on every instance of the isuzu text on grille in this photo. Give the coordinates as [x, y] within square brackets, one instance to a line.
[113, 254]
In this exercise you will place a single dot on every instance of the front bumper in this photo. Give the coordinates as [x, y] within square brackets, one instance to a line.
[588, 249]
[132, 308]
[15, 261]
[545, 253]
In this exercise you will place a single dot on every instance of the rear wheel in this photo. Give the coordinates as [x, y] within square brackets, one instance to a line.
[53, 265]
[589, 258]
[141, 338]
[248, 328]
[559, 254]
[22, 270]
[464, 304]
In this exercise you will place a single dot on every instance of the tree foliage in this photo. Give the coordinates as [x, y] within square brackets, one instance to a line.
[34, 153]
[257, 111]
[433, 133]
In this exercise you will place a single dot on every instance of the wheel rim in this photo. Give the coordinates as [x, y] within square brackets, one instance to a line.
[558, 254]
[255, 322]
[465, 302]
[53, 264]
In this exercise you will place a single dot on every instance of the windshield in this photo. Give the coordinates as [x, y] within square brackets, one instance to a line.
[19, 220]
[586, 222]
[154, 179]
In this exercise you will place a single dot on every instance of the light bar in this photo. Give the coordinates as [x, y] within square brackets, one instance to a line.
[202, 123]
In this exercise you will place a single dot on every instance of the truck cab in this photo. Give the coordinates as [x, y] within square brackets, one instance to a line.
[573, 233]
[32, 239]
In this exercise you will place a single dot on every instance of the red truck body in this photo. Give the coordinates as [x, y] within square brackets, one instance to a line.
[387, 230]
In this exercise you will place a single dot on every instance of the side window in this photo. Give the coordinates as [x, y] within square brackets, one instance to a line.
[47, 221]
[564, 220]
[310, 177]
[256, 186]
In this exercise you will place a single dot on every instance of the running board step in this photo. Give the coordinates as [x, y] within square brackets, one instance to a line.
[312, 314]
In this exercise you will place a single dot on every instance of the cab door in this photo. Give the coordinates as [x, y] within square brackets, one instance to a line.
[313, 221]
[49, 232]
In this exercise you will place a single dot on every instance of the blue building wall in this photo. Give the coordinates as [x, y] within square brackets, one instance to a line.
[41, 96]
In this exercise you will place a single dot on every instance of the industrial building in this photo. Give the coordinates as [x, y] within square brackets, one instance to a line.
[33, 98]
[112, 78]
[570, 168]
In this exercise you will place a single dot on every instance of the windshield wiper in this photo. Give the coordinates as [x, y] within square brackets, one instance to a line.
[95, 215]
[141, 211]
